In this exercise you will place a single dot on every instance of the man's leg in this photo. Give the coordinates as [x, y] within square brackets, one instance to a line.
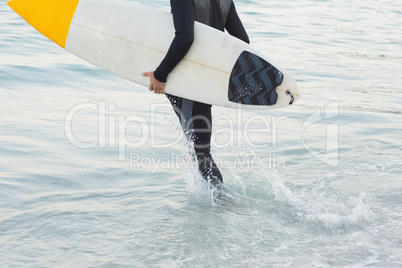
[196, 121]
[202, 122]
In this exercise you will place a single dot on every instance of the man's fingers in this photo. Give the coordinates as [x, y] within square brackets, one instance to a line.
[148, 74]
[155, 86]
[157, 90]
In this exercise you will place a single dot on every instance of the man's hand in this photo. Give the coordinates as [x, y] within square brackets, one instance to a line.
[155, 86]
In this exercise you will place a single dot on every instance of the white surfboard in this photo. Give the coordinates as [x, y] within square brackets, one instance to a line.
[127, 39]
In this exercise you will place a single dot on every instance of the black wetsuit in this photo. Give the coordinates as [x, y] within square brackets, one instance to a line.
[195, 117]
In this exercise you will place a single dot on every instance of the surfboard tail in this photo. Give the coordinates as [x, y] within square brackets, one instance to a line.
[255, 81]
[50, 17]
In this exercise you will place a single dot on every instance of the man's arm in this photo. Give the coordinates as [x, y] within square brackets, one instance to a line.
[183, 19]
[234, 26]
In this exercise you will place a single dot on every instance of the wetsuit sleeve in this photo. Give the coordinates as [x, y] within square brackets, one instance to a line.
[234, 26]
[183, 19]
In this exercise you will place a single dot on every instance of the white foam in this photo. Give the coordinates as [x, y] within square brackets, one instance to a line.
[196, 185]
[314, 204]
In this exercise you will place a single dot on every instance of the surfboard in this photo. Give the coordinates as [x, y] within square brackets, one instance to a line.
[127, 39]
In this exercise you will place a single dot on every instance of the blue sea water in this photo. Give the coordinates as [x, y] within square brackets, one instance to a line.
[94, 171]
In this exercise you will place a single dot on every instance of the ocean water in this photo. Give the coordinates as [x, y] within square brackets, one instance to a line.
[94, 171]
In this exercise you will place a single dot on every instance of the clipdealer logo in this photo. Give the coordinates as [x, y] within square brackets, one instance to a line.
[112, 129]
[112, 132]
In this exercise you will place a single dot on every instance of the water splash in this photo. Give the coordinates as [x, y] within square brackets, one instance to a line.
[333, 211]
[318, 204]
[198, 188]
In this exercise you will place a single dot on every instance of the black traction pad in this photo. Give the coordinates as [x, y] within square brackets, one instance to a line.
[253, 81]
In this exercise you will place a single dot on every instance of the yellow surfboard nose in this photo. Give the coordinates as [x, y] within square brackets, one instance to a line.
[50, 17]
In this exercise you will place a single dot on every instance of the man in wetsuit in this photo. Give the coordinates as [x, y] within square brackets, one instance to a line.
[195, 117]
